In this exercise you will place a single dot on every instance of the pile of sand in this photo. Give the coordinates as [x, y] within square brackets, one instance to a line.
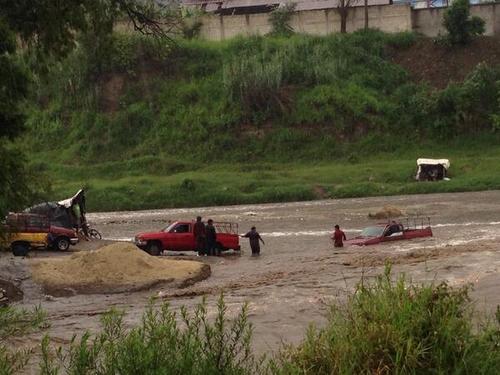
[386, 213]
[118, 267]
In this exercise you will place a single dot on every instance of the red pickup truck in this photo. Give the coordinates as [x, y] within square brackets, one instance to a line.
[179, 236]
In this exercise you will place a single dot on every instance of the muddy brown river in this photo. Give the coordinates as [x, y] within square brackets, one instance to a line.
[299, 272]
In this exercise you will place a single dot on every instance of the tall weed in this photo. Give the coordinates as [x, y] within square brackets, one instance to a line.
[163, 343]
[397, 327]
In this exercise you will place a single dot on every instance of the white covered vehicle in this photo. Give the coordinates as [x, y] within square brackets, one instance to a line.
[432, 169]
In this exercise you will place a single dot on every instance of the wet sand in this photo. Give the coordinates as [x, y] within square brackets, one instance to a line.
[299, 272]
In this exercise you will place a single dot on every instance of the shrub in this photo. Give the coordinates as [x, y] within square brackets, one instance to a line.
[461, 27]
[160, 345]
[191, 23]
[15, 322]
[397, 328]
[467, 107]
[280, 20]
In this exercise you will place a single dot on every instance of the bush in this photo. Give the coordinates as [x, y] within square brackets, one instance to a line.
[16, 322]
[398, 328]
[256, 84]
[280, 20]
[460, 25]
[467, 107]
[160, 345]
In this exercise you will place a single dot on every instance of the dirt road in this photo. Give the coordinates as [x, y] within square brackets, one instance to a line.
[299, 272]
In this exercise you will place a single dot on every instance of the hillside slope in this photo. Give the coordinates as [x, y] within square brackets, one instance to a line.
[259, 119]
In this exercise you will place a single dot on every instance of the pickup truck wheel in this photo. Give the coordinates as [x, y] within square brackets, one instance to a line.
[62, 243]
[154, 249]
[20, 249]
[219, 248]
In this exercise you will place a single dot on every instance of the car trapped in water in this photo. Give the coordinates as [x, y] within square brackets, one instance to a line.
[392, 231]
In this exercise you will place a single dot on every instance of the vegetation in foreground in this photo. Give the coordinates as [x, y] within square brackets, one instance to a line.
[160, 344]
[398, 327]
[17, 322]
[248, 120]
[385, 327]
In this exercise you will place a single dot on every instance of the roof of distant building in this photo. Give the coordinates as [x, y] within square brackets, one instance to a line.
[259, 6]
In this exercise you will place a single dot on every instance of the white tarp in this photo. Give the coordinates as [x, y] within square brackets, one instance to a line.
[69, 202]
[444, 162]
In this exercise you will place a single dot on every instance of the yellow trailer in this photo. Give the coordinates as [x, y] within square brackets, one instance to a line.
[21, 242]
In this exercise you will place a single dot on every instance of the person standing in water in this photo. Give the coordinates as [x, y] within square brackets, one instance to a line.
[254, 238]
[338, 236]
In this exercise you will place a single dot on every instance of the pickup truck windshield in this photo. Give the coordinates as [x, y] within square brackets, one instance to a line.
[177, 228]
[372, 232]
[180, 228]
[168, 227]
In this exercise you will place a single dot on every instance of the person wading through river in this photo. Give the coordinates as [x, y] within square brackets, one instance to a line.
[211, 236]
[199, 236]
[254, 238]
[338, 236]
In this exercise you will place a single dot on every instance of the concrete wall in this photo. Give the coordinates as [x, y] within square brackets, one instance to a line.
[389, 18]
[429, 21]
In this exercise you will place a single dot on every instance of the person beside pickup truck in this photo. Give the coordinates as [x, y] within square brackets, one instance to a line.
[199, 233]
[211, 237]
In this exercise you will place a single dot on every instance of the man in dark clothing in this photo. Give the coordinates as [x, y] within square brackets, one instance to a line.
[393, 228]
[199, 236]
[254, 237]
[338, 236]
[211, 236]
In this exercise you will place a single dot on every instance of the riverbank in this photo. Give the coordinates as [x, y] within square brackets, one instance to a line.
[146, 184]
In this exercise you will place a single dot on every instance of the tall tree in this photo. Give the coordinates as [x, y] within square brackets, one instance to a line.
[51, 26]
[460, 25]
[343, 11]
[366, 13]
[13, 88]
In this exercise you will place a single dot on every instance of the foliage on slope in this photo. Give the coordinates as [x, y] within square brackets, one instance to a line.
[160, 119]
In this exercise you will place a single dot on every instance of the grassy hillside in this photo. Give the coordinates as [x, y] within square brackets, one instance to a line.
[258, 119]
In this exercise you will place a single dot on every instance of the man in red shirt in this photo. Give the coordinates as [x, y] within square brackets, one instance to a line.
[338, 236]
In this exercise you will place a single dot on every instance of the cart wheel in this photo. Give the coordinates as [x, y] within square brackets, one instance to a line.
[94, 233]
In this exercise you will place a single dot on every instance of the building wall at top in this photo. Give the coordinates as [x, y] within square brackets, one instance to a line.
[389, 18]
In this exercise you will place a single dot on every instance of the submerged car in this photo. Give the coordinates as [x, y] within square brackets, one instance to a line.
[388, 232]
[178, 236]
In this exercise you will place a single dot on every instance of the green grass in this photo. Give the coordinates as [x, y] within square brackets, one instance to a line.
[157, 183]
